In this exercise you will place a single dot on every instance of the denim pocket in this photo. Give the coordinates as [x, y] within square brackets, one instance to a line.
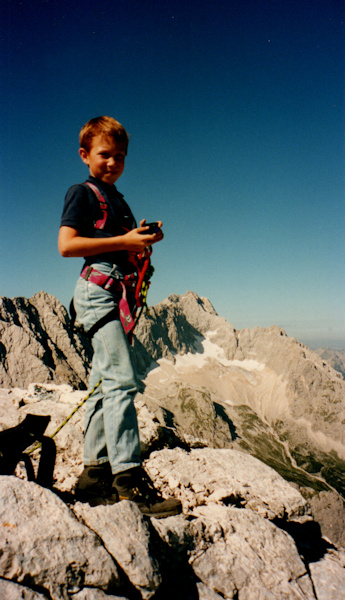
[92, 303]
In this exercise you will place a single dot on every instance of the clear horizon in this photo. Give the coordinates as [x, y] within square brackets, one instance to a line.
[236, 119]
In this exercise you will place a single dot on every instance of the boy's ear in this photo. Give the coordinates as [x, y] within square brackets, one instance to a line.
[84, 155]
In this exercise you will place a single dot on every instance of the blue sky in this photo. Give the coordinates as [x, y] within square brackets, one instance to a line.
[236, 118]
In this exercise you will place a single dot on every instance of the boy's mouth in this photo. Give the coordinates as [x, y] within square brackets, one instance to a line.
[111, 175]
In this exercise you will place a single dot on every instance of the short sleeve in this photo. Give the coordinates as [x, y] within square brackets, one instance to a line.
[76, 211]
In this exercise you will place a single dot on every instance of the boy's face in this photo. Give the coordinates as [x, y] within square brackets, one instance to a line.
[106, 159]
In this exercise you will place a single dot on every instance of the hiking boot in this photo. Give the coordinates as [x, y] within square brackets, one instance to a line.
[94, 486]
[135, 485]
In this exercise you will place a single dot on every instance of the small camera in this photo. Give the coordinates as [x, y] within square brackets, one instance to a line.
[152, 228]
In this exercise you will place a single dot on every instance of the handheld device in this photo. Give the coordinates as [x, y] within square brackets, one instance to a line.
[153, 228]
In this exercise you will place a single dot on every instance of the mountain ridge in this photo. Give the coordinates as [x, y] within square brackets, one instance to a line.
[336, 358]
[244, 427]
[268, 386]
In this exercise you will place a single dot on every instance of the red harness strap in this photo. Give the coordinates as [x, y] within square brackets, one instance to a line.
[105, 281]
[141, 263]
[104, 206]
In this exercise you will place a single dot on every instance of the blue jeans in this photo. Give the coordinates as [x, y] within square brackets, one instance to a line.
[111, 427]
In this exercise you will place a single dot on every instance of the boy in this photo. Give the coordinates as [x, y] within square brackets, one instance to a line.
[104, 232]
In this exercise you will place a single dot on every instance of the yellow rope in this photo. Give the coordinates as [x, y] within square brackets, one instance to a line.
[38, 445]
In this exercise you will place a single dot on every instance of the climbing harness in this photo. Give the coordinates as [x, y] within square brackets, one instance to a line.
[138, 281]
[140, 261]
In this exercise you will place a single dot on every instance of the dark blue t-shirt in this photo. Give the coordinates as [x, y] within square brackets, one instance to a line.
[82, 209]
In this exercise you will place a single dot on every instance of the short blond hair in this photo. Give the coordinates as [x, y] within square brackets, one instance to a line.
[103, 126]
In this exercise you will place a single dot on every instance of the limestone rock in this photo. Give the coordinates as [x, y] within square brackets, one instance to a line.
[37, 344]
[237, 554]
[313, 386]
[257, 377]
[204, 476]
[153, 433]
[177, 326]
[204, 593]
[328, 576]
[92, 594]
[212, 550]
[126, 537]
[260, 388]
[328, 509]
[42, 542]
[336, 358]
[13, 591]
[267, 562]
[223, 415]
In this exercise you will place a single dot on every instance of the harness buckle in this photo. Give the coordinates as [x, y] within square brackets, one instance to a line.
[109, 283]
[88, 273]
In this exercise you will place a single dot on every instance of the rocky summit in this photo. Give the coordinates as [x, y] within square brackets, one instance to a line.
[245, 427]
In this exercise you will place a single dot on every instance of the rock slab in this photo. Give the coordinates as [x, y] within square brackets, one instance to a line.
[44, 544]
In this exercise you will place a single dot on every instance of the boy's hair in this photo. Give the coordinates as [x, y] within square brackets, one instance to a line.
[103, 126]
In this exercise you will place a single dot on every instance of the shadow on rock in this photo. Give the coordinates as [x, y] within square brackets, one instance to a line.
[310, 544]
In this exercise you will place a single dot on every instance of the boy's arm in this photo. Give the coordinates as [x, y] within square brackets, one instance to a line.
[71, 243]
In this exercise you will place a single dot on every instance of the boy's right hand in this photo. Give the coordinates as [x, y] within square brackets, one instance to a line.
[136, 240]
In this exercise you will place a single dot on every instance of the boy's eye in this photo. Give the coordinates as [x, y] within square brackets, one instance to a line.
[117, 157]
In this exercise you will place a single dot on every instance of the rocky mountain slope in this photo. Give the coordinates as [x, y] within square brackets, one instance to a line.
[336, 358]
[36, 343]
[245, 427]
[261, 390]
